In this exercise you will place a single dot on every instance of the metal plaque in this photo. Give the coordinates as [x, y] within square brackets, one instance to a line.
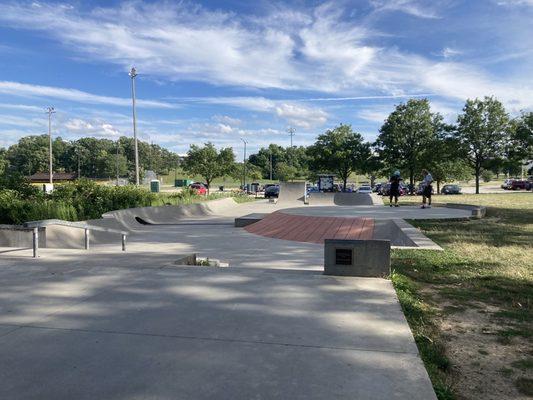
[343, 256]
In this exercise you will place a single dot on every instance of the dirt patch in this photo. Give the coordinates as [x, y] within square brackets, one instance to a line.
[483, 363]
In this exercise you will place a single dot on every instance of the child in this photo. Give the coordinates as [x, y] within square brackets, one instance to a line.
[427, 189]
[394, 188]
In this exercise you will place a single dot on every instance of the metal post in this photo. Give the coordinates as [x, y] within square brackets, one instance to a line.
[79, 164]
[133, 74]
[87, 238]
[244, 163]
[50, 111]
[35, 242]
[291, 131]
[270, 165]
[123, 242]
[117, 162]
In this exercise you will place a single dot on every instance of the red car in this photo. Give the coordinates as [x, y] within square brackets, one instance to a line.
[199, 188]
[517, 185]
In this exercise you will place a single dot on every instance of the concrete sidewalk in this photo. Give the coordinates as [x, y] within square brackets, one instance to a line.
[202, 333]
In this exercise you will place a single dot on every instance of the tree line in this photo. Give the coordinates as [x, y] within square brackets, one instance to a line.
[483, 139]
[91, 157]
[413, 137]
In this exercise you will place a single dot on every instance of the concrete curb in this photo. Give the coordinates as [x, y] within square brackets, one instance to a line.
[477, 211]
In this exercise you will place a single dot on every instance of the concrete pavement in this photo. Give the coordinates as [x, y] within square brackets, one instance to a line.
[203, 333]
[79, 324]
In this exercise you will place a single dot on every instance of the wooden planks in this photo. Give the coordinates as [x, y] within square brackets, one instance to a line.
[310, 229]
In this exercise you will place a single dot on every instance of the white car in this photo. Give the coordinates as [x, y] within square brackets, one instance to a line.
[364, 189]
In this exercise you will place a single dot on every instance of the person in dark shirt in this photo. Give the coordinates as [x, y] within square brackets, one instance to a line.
[394, 188]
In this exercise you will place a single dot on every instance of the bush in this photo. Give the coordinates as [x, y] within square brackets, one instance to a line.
[486, 176]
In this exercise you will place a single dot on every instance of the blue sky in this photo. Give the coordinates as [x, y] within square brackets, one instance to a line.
[221, 70]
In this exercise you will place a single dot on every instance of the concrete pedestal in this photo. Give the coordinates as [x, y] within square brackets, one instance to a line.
[367, 258]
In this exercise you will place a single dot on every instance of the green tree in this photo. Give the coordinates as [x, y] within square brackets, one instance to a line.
[208, 162]
[340, 151]
[407, 135]
[482, 131]
[3, 161]
[286, 172]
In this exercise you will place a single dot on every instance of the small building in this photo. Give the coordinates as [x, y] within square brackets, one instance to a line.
[44, 177]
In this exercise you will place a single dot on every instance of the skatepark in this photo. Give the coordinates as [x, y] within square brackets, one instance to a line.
[107, 323]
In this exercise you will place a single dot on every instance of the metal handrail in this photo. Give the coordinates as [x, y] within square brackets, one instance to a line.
[35, 225]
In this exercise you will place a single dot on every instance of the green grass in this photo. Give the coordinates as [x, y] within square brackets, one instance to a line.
[485, 262]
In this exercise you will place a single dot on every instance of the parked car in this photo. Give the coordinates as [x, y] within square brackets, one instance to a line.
[199, 188]
[506, 185]
[518, 185]
[364, 189]
[272, 191]
[451, 189]
[312, 189]
[421, 189]
[385, 189]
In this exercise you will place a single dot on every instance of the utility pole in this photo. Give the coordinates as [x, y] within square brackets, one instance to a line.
[270, 164]
[133, 74]
[291, 131]
[118, 142]
[50, 111]
[244, 163]
[79, 163]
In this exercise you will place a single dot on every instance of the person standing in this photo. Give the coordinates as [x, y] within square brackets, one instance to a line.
[394, 190]
[427, 189]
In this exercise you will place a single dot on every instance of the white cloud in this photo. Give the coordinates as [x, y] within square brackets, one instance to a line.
[27, 90]
[98, 128]
[294, 113]
[448, 52]
[301, 116]
[311, 49]
[412, 7]
[515, 2]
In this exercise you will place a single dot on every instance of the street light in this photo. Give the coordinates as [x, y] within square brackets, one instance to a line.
[291, 131]
[133, 74]
[244, 163]
[50, 111]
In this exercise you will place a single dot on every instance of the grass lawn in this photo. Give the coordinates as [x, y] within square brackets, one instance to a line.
[470, 307]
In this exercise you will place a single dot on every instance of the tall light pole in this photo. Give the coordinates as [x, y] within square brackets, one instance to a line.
[244, 163]
[270, 164]
[133, 74]
[291, 131]
[118, 143]
[50, 111]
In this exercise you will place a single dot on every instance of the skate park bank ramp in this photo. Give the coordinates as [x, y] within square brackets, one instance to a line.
[135, 218]
[291, 193]
[340, 199]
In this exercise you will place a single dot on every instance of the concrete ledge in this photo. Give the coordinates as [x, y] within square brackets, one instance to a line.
[363, 258]
[477, 211]
[249, 219]
[20, 236]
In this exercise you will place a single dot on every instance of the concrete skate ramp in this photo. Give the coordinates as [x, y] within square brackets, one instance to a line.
[291, 192]
[135, 218]
[340, 199]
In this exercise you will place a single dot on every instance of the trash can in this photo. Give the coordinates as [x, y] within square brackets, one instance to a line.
[154, 186]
